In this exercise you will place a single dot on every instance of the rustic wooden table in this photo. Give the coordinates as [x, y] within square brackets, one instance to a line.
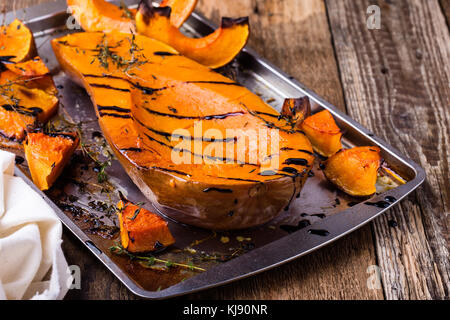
[394, 80]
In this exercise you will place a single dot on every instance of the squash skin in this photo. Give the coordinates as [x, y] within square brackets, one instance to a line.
[47, 155]
[354, 170]
[181, 10]
[16, 42]
[214, 50]
[185, 192]
[142, 230]
[324, 134]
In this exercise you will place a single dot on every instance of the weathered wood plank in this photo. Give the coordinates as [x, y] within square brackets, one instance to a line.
[445, 4]
[294, 35]
[396, 82]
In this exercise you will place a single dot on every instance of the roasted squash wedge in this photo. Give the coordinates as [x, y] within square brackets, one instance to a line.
[47, 155]
[29, 68]
[147, 108]
[354, 170]
[296, 111]
[214, 50]
[16, 43]
[100, 15]
[181, 10]
[142, 230]
[24, 102]
[324, 134]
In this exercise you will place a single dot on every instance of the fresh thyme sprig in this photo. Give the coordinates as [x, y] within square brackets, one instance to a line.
[151, 260]
[106, 55]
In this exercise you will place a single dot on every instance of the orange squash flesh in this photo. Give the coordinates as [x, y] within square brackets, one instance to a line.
[354, 171]
[100, 15]
[181, 10]
[29, 68]
[142, 230]
[139, 110]
[324, 134]
[24, 102]
[47, 155]
[16, 43]
[296, 110]
[214, 50]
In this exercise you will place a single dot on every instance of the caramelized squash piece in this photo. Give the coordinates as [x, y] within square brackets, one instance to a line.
[142, 230]
[296, 110]
[100, 15]
[181, 10]
[214, 50]
[23, 103]
[16, 43]
[47, 155]
[354, 171]
[139, 111]
[324, 134]
[30, 68]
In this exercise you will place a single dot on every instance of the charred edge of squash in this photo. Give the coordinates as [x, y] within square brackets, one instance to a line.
[148, 11]
[230, 22]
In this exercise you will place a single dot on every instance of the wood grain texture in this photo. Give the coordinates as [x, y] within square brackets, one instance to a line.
[294, 35]
[396, 82]
[445, 4]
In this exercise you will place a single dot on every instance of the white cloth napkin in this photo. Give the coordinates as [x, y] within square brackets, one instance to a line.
[32, 264]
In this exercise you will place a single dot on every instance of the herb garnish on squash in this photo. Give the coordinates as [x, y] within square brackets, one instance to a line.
[135, 119]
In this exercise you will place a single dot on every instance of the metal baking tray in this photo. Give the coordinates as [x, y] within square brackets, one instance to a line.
[80, 201]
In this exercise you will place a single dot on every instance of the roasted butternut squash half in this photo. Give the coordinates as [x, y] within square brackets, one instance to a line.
[324, 134]
[142, 230]
[24, 102]
[214, 50]
[47, 154]
[180, 10]
[16, 43]
[149, 105]
[354, 170]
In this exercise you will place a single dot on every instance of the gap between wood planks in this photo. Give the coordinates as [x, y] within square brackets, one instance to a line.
[396, 82]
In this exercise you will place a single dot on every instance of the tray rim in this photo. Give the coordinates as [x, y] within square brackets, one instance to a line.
[234, 269]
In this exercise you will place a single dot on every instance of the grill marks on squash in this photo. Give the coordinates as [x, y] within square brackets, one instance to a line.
[150, 135]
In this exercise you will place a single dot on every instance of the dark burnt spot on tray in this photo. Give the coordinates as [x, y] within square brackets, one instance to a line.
[319, 232]
[300, 225]
[390, 199]
[379, 204]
